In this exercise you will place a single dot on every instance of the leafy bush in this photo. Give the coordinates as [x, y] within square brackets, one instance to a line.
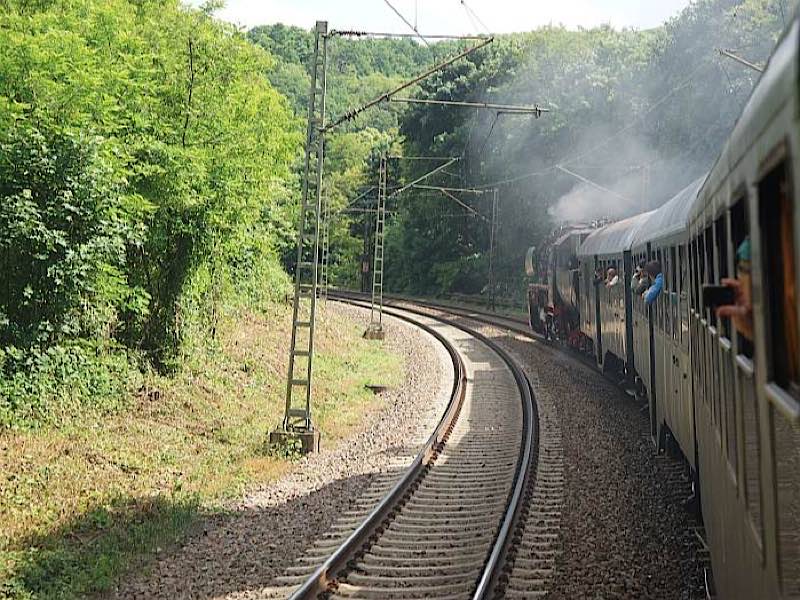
[65, 227]
[145, 183]
[51, 386]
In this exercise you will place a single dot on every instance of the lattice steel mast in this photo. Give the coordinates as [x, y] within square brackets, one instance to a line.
[375, 328]
[297, 423]
[297, 416]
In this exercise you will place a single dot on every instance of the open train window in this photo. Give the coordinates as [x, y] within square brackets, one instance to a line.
[740, 241]
[709, 269]
[691, 270]
[701, 268]
[721, 238]
[776, 218]
[672, 299]
[694, 275]
[683, 293]
[659, 304]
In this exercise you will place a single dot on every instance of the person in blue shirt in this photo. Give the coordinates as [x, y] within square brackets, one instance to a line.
[653, 269]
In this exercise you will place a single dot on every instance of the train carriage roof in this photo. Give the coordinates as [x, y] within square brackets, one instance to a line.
[572, 232]
[614, 238]
[671, 218]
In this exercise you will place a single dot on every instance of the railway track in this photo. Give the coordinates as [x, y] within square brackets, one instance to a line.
[530, 563]
[449, 526]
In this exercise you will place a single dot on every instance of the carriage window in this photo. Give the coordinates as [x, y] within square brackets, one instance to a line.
[740, 238]
[696, 275]
[693, 273]
[690, 270]
[776, 217]
[683, 306]
[721, 230]
[777, 231]
[658, 304]
[672, 299]
[701, 269]
[709, 269]
[666, 267]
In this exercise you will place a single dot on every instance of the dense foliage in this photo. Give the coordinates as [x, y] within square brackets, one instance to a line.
[145, 180]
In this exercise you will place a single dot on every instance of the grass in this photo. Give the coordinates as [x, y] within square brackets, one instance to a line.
[81, 503]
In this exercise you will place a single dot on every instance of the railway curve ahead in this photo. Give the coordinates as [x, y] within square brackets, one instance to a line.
[444, 530]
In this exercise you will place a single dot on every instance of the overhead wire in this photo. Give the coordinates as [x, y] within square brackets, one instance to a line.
[588, 181]
[407, 22]
[474, 14]
[488, 135]
[472, 21]
[353, 113]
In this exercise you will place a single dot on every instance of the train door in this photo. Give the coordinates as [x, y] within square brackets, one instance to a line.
[660, 381]
[615, 297]
[597, 319]
[671, 368]
[638, 325]
[671, 360]
[650, 314]
[684, 339]
[681, 371]
[623, 310]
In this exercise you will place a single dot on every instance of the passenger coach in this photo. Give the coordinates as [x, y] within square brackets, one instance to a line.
[725, 391]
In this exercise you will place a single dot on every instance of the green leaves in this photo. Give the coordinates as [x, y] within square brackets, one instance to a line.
[63, 229]
[141, 146]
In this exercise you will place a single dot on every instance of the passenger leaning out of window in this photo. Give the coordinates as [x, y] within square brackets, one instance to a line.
[639, 279]
[741, 311]
[653, 270]
[612, 278]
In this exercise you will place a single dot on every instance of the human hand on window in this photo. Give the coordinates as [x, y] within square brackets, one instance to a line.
[741, 306]
[741, 311]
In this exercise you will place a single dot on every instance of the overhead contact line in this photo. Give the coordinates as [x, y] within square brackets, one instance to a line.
[352, 114]
[386, 34]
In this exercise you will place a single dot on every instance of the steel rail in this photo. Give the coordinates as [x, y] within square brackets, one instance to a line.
[510, 322]
[319, 581]
[388, 34]
[491, 571]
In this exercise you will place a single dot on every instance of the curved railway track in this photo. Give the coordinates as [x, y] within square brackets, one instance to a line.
[446, 528]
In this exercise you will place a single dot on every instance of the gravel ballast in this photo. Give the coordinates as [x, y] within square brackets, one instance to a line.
[624, 530]
[238, 553]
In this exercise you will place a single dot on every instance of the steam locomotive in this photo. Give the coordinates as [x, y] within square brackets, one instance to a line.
[726, 398]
